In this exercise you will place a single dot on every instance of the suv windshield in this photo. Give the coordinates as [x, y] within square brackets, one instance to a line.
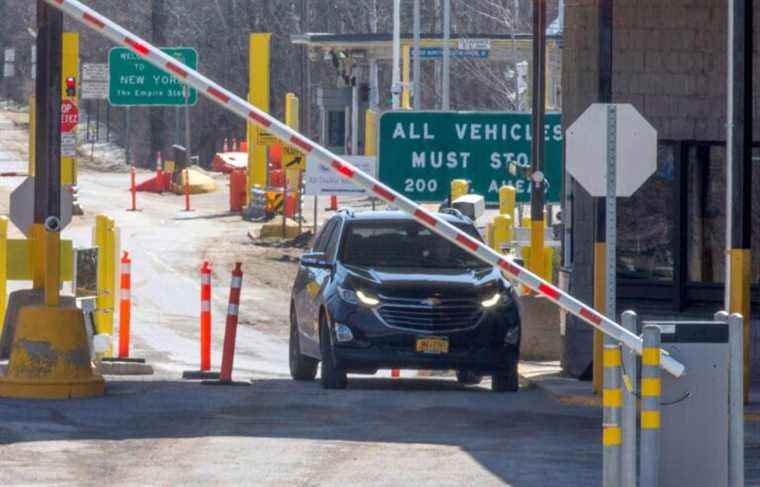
[404, 243]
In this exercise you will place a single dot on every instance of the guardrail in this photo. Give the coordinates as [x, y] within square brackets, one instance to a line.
[251, 114]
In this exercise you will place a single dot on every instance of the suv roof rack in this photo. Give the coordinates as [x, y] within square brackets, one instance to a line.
[347, 211]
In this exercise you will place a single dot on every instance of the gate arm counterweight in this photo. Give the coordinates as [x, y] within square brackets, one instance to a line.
[327, 159]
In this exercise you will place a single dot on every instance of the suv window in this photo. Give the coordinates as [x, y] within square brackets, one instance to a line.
[332, 243]
[320, 244]
[404, 243]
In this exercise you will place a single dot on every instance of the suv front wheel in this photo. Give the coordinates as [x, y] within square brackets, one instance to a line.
[302, 368]
[332, 376]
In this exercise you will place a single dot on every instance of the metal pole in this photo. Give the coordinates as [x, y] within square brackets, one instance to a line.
[177, 125]
[736, 398]
[355, 120]
[446, 67]
[47, 181]
[97, 121]
[650, 407]
[739, 167]
[417, 59]
[186, 93]
[537, 199]
[630, 381]
[611, 200]
[396, 87]
[612, 456]
[128, 129]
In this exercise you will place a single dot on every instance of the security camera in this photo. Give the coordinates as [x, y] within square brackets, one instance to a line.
[53, 224]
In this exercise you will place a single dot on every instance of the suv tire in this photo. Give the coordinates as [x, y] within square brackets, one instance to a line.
[507, 381]
[302, 368]
[332, 376]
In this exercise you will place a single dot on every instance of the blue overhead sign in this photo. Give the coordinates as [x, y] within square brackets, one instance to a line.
[437, 53]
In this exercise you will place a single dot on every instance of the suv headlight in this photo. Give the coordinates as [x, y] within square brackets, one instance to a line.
[357, 297]
[492, 301]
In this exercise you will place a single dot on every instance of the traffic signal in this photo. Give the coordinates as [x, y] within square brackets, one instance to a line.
[71, 87]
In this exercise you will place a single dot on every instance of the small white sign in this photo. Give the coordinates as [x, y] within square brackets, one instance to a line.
[69, 144]
[324, 181]
[95, 72]
[94, 90]
[475, 44]
[10, 55]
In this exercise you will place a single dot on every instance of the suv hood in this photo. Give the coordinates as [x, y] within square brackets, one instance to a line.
[424, 281]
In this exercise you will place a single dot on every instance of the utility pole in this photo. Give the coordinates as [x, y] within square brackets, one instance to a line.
[739, 168]
[47, 181]
[537, 163]
[446, 66]
[417, 66]
[396, 86]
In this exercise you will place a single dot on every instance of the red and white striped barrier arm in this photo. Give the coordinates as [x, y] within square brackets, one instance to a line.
[248, 112]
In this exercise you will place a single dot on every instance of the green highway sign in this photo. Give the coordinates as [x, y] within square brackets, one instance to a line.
[135, 82]
[421, 152]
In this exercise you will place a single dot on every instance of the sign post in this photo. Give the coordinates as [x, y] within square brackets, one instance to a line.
[422, 152]
[611, 152]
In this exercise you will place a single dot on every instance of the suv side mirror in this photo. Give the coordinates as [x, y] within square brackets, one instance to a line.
[315, 259]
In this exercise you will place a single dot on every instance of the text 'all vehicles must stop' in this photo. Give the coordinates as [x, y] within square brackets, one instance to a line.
[421, 152]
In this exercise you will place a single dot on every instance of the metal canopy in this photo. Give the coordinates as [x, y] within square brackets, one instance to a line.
[380, 46]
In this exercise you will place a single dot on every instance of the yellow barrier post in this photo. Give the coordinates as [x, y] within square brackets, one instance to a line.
[259, 96]
[507, 200]
[3, 270]
[370, 133]
[459, 187]
[740, 280]
[600, 296]
[290, 154]
[406, 98]
[105, 240]
[69, 69]
[503, 232]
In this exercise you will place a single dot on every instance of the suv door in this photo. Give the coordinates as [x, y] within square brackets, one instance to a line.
[307, 291]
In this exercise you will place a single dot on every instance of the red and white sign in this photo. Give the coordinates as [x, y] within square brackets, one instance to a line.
[69, 116]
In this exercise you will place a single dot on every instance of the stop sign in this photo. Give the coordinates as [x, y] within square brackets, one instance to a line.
[587, 143]
[69, 116]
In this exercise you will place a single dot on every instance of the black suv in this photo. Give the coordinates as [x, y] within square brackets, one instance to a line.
[379, 290]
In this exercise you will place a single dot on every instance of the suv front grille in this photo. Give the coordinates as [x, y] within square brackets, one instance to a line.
[415, 315]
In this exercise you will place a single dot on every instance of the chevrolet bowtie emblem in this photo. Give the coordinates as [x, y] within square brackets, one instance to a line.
[432, 302]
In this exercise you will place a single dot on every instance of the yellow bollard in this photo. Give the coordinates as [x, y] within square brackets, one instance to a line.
[507, 200]
[105, 239]
[548, 271]
[536, 263]
[459, 187]
[3, 270]
[370, 133]
[406, 97]
[503, 232]
[259, 52]
[526, 222]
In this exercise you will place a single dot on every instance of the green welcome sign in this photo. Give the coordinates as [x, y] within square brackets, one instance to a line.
[134, 81]
[421, 152]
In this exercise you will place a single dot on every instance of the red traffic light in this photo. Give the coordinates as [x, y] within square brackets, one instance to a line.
[71, 87]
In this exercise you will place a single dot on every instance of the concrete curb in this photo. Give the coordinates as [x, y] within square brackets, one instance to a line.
[123, 368]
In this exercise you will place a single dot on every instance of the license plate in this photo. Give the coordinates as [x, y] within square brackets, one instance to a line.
[433, 345]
